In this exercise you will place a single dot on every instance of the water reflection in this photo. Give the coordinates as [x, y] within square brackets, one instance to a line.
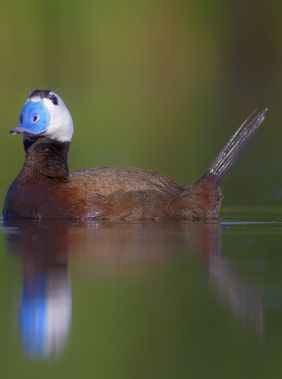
[127, 249]
[46, 301]
[242, 297]
[45, 309]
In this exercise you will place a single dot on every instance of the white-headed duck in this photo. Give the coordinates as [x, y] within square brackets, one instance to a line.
[45, 189]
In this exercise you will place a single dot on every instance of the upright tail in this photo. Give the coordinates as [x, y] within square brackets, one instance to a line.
[237, 143]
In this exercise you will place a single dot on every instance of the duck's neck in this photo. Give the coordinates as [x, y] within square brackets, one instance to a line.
[46, 158]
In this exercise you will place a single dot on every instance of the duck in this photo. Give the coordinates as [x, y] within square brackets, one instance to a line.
[45, 189]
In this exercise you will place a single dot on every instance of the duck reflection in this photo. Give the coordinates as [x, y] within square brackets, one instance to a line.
[45, 248]
[46, 301]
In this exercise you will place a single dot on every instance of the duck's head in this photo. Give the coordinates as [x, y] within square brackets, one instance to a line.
[45, 114]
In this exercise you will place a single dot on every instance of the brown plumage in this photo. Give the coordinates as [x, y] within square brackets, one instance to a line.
[45, 189]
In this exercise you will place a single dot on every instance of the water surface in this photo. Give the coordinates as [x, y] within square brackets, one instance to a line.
[169, 300]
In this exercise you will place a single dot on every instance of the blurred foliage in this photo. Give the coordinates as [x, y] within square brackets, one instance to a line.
[159, 84]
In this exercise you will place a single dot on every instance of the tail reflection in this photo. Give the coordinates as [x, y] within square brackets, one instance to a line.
[44, 248]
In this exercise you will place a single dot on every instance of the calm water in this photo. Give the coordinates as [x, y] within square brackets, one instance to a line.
[170, 300]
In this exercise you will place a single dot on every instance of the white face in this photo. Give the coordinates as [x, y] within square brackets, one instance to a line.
[60, 126]
[45, 114]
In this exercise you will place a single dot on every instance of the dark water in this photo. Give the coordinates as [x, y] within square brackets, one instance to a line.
[201, 300]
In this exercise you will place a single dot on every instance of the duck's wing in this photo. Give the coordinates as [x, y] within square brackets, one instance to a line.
[106, 180]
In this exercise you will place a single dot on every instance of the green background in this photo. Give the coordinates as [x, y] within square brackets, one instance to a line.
[153, 84]
[160, 85]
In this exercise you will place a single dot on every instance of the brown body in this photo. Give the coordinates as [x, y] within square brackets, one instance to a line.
[45, 189]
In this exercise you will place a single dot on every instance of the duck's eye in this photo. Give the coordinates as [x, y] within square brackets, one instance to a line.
[35, 118]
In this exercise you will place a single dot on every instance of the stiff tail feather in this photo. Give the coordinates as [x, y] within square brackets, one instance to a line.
[224, 161]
